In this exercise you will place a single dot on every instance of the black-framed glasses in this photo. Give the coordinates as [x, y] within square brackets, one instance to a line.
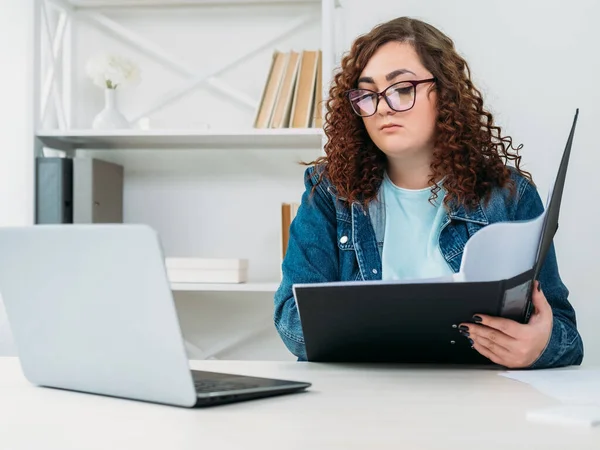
[399, 97]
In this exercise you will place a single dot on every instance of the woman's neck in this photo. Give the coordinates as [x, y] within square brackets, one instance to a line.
[412, 172]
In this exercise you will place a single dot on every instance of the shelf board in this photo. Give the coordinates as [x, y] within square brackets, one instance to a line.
[172, 3]
[226, 287]
[182, 139]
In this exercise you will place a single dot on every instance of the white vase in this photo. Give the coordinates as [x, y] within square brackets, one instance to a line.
[110, 118]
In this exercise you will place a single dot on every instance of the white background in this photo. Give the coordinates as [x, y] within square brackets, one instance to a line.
[534, 62]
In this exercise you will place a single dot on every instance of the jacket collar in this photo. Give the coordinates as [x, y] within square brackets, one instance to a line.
[475, 215]
[456, 211]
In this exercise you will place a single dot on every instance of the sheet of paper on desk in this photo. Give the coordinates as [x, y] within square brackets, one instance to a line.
[572, 386]
[570, 415]
[578, 390]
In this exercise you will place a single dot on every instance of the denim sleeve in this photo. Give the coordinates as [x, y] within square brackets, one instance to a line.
[311, 257]
[565, 346]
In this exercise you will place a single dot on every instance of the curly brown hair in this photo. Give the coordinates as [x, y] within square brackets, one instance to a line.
[470, 152]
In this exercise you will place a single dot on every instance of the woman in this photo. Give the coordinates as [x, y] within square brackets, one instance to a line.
[414, 166]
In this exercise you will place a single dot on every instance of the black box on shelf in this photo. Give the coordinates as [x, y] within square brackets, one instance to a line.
[78, 190]
[53, 190]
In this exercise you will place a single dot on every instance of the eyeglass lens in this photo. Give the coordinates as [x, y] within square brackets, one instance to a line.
[399, 96]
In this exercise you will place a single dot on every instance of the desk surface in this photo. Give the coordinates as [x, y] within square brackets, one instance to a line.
[348, 407]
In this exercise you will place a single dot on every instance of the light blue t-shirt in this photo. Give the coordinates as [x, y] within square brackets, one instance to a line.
[412, 227]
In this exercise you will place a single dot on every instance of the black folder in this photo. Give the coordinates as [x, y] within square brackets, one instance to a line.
[377, 321]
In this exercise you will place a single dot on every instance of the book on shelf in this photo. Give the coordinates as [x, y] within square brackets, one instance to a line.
[271, 89]
[291, 97]
[288, 213]
[206, 270]
[283, 103]
[304, 92]
[317, 114]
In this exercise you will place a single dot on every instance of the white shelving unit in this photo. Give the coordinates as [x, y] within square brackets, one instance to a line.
[280, 139]
[58, 89]
[55, 85]
[215, 199]
[174, 3]
[226, 287]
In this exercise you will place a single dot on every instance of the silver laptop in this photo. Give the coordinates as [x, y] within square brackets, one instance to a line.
[91, 310]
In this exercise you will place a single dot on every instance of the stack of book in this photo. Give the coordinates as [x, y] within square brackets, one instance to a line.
[78, 190]
[292, 96]
[206, 270]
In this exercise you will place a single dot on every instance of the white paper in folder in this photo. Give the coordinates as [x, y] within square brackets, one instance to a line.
[511, 246]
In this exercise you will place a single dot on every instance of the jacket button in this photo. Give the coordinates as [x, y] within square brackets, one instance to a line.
[375, 271]
[343, 239]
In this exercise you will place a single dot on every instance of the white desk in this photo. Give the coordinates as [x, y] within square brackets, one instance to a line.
[348, 407]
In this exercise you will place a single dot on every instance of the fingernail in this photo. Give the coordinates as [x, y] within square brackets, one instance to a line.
[464, 333]
[477, 319]
[539, 286]
[463, 328]
[471, 342]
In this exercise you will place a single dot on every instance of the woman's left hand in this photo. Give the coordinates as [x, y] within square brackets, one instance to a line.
[509, 343]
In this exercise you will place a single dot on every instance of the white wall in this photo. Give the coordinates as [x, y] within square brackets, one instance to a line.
[16, 127]
[536, 62]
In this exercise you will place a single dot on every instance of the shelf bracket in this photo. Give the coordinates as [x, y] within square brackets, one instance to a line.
[159, 55]
[194, 351]
[55, 42]
[62, 5]
[197, 80]
[234, 341]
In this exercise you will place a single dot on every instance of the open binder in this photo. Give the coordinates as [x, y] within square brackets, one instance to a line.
[415, 321]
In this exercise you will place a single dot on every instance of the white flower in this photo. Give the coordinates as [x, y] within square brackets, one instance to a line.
[112, 71]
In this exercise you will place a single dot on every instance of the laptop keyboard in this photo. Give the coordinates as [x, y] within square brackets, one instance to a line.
[203, 386]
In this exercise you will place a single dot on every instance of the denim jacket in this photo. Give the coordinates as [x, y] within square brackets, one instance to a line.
[331, 240]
